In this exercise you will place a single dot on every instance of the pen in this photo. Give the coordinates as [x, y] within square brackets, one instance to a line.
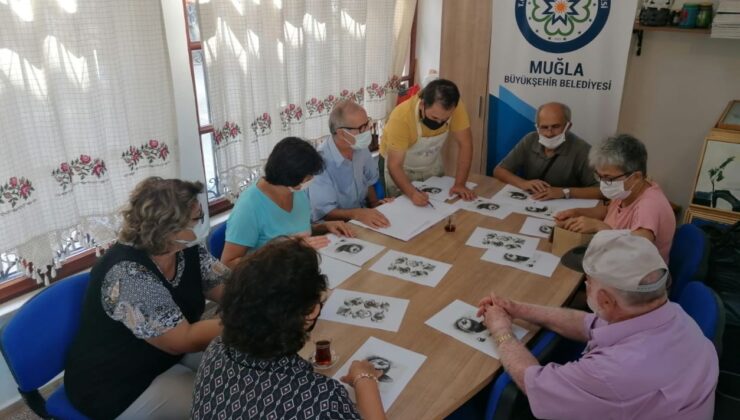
[429, 202]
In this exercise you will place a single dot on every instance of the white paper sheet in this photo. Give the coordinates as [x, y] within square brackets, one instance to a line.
[364, 309]
[438, 188]
[458, 320]
[508, 242]
[411, 268]
[398, 364]
[408, 220]
[522, 202]
[534, 226]
[541, 263]
[511, 194]
[488, 207]
[336, 271]
[352, 250]
[571, 203]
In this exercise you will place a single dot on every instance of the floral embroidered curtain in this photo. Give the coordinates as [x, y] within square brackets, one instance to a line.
[275, 68]
[86, 112]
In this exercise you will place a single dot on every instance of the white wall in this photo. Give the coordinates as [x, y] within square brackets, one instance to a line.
[674, 93]
[428, 36]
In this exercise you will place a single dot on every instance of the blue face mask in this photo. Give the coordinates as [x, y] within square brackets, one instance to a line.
[362, 140]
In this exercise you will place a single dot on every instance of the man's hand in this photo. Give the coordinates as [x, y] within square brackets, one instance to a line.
[497, 320]
[551, 193]
[419, 198]
[583, 224]
[463, 191]
[535, 186]
[339, 228]
[371, 217]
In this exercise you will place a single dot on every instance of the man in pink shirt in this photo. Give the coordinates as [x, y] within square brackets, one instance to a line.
[637, 203]
[645, 358]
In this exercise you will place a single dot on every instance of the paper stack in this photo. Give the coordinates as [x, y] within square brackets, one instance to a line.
[726, 23]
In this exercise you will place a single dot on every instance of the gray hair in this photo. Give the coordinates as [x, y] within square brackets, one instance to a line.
[563, 107]
[637, 299]
[337, 115]
[623, 151]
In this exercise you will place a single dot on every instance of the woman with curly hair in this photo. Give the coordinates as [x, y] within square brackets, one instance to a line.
[271, 303]
[142, 309]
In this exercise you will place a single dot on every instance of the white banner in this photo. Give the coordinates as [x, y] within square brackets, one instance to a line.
[570, 51]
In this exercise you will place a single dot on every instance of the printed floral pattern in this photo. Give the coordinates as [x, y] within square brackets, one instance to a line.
[15, 190]
[262, 125]
[152, 151]
[83, 167]
[375, 91]
[228, 133]
[291, 114]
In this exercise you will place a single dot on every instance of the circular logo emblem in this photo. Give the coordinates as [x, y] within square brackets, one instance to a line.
[561, 26]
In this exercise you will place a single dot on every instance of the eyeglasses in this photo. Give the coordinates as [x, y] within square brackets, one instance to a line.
[362, 128]
[609, 179]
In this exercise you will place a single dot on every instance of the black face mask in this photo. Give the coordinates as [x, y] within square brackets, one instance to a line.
[431, 124]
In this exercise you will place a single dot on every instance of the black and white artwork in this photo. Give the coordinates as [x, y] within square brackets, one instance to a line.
[458, 320]
[438, 187]
[411, 268]
[535, 226]
[364, 309]
[511, 194]
[398, 365]
[487, 207]
[542, 263]
[508, 242]
[352, 250]
[336, 271]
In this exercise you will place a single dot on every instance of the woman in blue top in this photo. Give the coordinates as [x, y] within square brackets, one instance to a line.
[278, 203]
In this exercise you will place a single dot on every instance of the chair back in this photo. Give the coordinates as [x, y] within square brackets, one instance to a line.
[504, 392]
[688, 258]
[217, 239]
[705, 307]
[35, 341]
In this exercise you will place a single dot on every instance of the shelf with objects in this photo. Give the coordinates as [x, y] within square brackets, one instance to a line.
[657, 16]
[716, 192]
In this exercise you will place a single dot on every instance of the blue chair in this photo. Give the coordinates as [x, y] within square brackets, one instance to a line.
[688, 258]
[379, 190]
[706, 308]
[217, 239]
[35, 342]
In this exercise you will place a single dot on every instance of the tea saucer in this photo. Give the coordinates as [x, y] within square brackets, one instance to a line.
[334, 360]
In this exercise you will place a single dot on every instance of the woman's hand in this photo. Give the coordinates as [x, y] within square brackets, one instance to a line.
[339, 228]
[358, 368]
[583, 224]
[315, 242]
[565, 215]
[497, 320]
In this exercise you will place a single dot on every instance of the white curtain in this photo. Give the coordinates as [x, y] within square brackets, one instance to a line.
[275, 68]
[86, 112]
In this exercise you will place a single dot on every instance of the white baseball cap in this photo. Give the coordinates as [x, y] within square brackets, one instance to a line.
[621, 260]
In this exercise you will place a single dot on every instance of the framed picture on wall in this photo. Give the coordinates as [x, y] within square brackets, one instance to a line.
[717, 185]
[701, 216]
[730, 119]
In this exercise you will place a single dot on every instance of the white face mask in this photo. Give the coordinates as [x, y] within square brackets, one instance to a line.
[302, 186]
[200, 231]
[616, 190]
[362, 140]
[554, 142]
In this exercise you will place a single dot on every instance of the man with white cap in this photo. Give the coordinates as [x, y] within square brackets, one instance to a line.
[645, 358]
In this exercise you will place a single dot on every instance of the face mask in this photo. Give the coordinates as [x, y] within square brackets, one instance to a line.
[362, 140]
[615, 191]
[200, 231]
[554, 142]
[431, 124]
[302, 186]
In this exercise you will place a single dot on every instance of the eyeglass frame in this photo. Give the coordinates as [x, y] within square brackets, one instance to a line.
[609, 180]
[367, 126]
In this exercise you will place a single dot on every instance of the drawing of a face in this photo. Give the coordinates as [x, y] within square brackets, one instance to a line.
[536, 209]
[516, 195]
[469, 325]
[515, 258]
[432, 190]
[382, 364]
[359, 308]
[488, 206]
[546, 229]
[350, 248]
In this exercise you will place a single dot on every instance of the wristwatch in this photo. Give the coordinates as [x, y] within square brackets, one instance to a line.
[566, 192]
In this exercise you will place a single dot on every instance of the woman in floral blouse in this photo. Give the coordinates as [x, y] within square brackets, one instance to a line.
[143, 307]
[271, 304]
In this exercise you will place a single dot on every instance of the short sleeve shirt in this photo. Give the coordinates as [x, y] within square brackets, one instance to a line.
[344, 183]
[570, 169]
[399, 133]
[256, 219]
[651, 211]
[135, 296]
[231, 384]
[655, 366]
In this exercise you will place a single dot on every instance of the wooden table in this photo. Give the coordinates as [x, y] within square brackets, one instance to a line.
[453, 371]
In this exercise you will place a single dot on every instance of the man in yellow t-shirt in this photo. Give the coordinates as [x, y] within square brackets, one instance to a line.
[413, 138]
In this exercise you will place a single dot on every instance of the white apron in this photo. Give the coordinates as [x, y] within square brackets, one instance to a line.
[422, 160]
